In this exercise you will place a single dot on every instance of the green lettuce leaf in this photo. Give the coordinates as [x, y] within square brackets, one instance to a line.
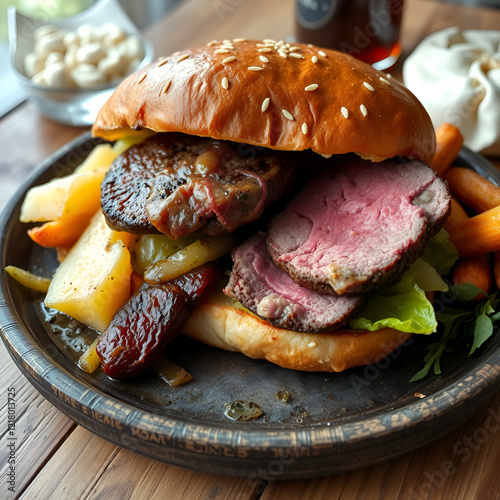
[441, 253]
[426, 277]
[404, 305]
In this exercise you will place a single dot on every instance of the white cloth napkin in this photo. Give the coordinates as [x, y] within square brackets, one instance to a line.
[456, 76]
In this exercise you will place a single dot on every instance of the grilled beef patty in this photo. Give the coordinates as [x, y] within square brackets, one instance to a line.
[360, 226]
[267, 291]
[177, 184]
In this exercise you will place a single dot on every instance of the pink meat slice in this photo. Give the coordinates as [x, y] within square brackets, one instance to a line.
[263, 288]
[360, 226]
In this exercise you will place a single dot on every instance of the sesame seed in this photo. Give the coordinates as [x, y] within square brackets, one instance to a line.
[269, 40]
[287, 114]
[166, 86]
[293, 49]
[297, 56]
[265, 104]
[176, 53]
[255, 68]
[226, 41]
[266, 49]
[236, 40]
[222, 51]
[383, 80]
[262, 45]
[228, 59]
[162, 62]
[314, 59]
[345, 112]
[311, 87]
[363, 109]
[322, 53]
[310, 45]
[225, 83]
[368, 86]
[305, 128]
[142, 78]
[213, 42]
[389, 75]
[181, 58]
[312, 344]
[282, 53]
[264, 59]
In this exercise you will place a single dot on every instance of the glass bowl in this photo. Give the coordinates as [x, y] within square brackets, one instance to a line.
[72, 106]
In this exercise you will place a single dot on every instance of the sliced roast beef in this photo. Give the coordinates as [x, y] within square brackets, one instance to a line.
[178, 184]
[267, 291]
[359, 226]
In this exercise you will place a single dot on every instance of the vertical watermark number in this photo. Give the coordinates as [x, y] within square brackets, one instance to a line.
[11, 439]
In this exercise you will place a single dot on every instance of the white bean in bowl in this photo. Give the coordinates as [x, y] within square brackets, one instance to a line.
[33, 64]
[56, 76]
[87, 57]
[87, 76]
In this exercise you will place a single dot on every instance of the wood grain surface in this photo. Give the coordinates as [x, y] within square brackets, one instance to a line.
[55, 458]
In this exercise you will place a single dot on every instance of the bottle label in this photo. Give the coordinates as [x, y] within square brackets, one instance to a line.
[315, 14]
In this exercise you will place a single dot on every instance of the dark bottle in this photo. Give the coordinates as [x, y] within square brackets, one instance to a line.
[366, 29]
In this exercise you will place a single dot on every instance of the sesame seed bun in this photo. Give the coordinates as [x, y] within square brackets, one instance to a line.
[267, 94]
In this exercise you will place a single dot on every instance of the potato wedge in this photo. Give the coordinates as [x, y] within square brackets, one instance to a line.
[102, 156]
[89, 361]
[29, 280]
[64, 198]
[93, 281]
[59, 233]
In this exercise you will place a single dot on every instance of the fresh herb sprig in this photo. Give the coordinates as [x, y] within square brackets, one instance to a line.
[472, 323]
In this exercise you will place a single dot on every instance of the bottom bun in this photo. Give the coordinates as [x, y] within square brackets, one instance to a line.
[216, 323]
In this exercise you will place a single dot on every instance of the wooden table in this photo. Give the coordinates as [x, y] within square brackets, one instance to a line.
[58, 459]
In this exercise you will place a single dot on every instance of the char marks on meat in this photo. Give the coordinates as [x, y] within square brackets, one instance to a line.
[178, 184]
[359, 226]
[266, 290]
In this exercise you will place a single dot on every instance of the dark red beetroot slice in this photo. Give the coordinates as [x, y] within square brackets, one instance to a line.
[359, 226]
[152, 318]
[266, 290]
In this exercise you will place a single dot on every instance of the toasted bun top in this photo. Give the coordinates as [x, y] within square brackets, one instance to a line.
[273, 95]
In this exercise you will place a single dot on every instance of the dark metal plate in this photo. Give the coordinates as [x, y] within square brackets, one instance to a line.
[331, 422]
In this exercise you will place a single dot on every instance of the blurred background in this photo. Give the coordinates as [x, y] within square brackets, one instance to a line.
[142, 12]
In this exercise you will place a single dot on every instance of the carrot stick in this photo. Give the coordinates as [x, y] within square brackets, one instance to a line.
[457, 215]
[59, 233]
[475, 270]
[478, 234]
[472, 189]
[449, 141]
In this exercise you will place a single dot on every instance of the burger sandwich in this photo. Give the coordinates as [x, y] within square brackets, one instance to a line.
[316, 164]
